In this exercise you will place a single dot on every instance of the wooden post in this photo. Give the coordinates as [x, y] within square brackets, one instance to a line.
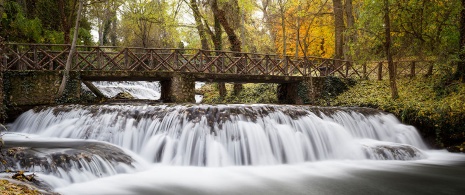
[412, 69]
[305, 66]
[347, 69]
[267, 62]
[222, 63]
[430, 69]
[126, 59]
[364, 66]
[99, 63]
[286, 65]
[380, 71]
[36, 62]
[3, 55]
[246, 65]
[151, 64]
[176, 60]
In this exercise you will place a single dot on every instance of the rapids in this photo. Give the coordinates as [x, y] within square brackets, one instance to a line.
[142, 148]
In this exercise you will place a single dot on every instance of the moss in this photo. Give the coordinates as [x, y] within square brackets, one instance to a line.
[438, 112]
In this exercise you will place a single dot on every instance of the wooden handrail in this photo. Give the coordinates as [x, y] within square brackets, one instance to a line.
[22, 56]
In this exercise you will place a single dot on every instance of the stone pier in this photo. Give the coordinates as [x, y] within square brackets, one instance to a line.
[287, 93]
[179, 89]
[302, 92]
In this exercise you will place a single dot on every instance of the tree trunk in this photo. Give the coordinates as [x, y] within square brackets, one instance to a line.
[232, 37]
[338, 29]
[2, 50]
[71, 52]
[199, 25]
[65, 27]
[283, 27]
[460, 74]
[297, 38]
[218, 47]
[350, 25]
[387, 49]
[268, 23]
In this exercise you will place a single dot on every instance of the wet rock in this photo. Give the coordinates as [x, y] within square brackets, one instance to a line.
[393, 152]
[123, 95]
[48, 157]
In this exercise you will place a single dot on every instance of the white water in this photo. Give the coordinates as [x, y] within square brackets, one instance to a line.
[180, 135]
[138, 89]
[206, 147]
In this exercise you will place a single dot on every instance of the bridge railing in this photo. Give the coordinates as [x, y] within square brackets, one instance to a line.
[378, 70]
[105, 58]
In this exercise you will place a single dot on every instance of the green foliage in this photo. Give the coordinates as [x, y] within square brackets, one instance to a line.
[435, 107]
[420, 29]
[252, 93]
[17, 27]
[39, 24]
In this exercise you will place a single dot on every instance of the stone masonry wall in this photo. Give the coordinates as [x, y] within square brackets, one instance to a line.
[182, 88]
[30, 88]
[310, 90]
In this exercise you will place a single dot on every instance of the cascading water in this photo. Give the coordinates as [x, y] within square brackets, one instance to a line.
[173, 136]
[138, 89]
[224, 135]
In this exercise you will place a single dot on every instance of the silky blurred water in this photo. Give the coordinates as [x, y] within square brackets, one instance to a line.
[239, 149]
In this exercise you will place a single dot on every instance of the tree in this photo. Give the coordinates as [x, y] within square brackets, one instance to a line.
[104, 17]
[199, 24]
[233, 39]
[460, 72]
[387, 49]
[308, 24]
[41, 21]
[350, 21]
[72, 51]
[338, 29]
[220, 13]
[148, 23]
[282, 6]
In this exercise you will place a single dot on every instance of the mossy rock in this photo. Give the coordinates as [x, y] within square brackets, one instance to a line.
[124, 95]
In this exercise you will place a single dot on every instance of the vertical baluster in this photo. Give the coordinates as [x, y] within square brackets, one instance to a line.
[36, 65]
[380, 71]
[126, 59]
[364, 66]
[176, 61]
[412, 69]
[98, 58]
[347, 69]
[267, 63]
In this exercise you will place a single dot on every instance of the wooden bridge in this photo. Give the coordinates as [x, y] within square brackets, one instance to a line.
[178, 69]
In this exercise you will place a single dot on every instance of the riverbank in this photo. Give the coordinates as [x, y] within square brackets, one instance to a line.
[434, 105]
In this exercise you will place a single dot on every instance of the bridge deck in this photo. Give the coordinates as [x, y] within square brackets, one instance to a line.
[207, 77]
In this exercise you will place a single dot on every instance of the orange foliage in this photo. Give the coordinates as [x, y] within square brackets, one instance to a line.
[316, 28]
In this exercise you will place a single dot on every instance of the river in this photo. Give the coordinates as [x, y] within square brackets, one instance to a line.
[148, 148]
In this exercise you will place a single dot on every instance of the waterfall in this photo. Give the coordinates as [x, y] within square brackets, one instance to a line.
[224, 135]
[138, 89]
